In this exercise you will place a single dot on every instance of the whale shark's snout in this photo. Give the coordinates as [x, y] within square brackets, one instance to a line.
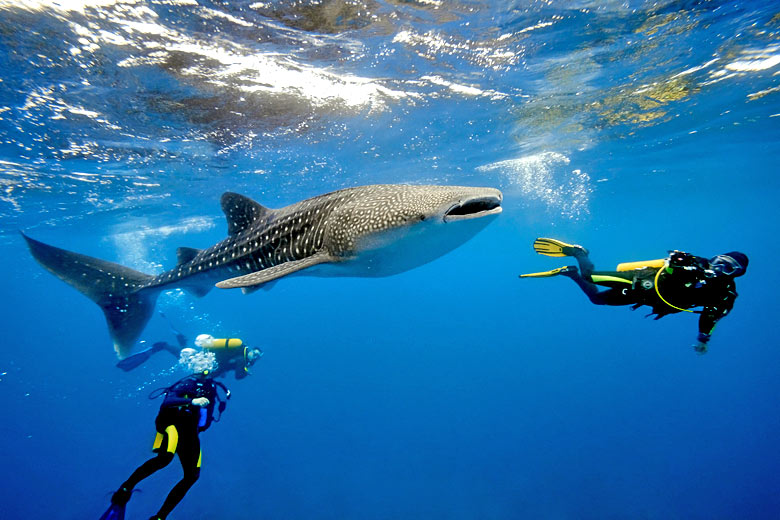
[475, 207]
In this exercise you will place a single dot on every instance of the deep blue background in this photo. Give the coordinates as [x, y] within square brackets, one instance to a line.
[453, 391]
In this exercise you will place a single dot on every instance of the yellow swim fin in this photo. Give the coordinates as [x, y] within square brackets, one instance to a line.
[555, 272]
[552, 247]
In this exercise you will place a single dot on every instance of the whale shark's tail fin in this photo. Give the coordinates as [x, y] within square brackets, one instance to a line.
[118, 290]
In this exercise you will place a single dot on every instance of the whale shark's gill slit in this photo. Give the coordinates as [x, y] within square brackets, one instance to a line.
[473, 207]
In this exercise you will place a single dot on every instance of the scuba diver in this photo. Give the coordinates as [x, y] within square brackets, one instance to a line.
[231, 354]
[187, 410]
[668, 285]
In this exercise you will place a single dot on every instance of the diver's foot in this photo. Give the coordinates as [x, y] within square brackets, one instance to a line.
[122, 496]
[570, 271]
[553, 247]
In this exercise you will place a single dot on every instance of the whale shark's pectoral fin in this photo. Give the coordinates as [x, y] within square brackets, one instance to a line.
[275, 272]
[266, 287]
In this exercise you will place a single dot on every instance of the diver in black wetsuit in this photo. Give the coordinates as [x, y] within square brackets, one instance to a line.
[187, 410]
[674, 284]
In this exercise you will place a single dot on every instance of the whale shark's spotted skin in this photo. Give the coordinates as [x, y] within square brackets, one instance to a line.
[365, 231]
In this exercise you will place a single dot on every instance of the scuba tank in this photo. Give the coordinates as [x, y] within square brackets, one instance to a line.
[629, 266]
[227, 349]
[208, 342]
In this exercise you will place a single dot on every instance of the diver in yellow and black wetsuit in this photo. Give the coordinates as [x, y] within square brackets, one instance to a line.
[674, 284]
[187, 410]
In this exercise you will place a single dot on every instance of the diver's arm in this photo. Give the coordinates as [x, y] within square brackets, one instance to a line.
[710, 316]
[176, 401]
[173, 402]
[707, 322]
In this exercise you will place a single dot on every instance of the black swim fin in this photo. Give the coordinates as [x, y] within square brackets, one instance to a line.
[115, 512]
[136, 360]
[119, 500]
[139, 358]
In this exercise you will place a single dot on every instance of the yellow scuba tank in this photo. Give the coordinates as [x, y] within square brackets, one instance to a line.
[630, 266]
[208, 342]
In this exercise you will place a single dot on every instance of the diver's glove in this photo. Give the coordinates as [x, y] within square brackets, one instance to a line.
[200, 401]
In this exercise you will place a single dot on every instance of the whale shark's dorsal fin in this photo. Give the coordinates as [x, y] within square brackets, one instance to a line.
[185, 254]
[241, 212]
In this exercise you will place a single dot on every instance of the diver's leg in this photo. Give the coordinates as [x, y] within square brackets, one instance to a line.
[190, 456]
[165, 445]
[171, 349]
[610, 296]
[586, 266]
[582, 277]
[590, 289]
[147, 468]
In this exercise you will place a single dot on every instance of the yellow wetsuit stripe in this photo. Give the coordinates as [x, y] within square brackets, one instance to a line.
[596, 278]
[173, 438]
[157, 441]
[200, 457]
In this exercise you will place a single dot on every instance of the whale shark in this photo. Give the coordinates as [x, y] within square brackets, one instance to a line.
[365, 231]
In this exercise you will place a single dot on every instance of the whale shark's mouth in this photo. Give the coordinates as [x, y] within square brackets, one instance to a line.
[474, 208]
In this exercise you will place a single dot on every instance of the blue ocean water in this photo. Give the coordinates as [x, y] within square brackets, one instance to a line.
[452, 391]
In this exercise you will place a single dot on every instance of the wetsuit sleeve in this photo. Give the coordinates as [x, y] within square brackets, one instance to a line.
[711, 314]
[173, 401]
[212, 393]
[177, 395]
